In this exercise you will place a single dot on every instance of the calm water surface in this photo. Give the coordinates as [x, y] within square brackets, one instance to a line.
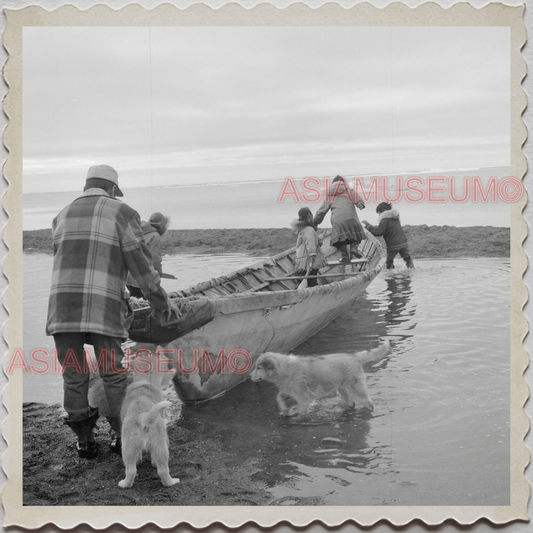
[439, 434]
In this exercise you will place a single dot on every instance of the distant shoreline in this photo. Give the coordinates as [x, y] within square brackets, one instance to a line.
[424, 241]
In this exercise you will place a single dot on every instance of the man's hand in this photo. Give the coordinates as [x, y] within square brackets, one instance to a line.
[173, 312]
[168, 316]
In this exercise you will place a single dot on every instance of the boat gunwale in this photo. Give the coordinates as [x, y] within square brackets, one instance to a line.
[197, 289]
[274, 298]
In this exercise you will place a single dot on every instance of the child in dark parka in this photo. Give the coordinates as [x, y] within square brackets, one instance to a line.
[391, 229]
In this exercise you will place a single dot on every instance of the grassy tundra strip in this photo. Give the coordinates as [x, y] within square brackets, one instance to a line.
[424, 241]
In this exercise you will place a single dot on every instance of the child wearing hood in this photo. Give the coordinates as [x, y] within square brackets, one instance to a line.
[153, 230]
[391, 229]
[309, 258]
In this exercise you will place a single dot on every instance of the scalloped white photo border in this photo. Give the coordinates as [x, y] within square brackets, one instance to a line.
[396, 14]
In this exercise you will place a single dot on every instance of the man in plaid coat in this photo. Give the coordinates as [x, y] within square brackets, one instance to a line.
[97, 240]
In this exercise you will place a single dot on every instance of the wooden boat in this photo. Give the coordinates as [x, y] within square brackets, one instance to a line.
[253, 310]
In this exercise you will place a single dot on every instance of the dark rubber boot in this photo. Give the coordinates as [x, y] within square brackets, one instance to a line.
[86, 446]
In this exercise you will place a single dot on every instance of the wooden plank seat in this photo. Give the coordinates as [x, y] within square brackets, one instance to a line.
[352, 262]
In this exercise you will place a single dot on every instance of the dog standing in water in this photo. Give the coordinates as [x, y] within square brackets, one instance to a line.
[305, 379]
[143, 426]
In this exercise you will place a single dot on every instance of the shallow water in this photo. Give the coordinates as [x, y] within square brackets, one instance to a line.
[439, 434]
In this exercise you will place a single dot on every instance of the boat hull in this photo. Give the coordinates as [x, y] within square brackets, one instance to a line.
[254, 316]
[231, 342]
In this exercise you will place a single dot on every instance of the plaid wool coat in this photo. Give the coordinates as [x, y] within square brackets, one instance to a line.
[97, 240]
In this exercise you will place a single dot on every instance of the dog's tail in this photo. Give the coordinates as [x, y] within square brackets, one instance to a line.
[148, 418]
[371, 356]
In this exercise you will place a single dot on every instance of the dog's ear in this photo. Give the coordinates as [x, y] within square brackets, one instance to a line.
[268, 362]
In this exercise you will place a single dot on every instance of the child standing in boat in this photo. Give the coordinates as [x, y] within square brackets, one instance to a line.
[346, 230]
[309, 258]
[391, 229]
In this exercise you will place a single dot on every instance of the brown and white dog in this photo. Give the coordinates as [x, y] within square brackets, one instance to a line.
[305, 379]
[143, 426]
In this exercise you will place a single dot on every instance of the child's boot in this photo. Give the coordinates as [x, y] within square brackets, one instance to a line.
[344, 252]
[354, 252]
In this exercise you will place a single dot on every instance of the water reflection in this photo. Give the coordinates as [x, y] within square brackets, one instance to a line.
[247, 421]
[399, 293]
[360, 328]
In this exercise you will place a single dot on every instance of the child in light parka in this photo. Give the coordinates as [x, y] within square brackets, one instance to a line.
[309, 257]
[391, 229]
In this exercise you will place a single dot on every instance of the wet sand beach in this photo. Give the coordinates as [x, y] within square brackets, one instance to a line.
[210, 472]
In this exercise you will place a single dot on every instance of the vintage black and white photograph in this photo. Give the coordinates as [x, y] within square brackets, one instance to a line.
[267, 265]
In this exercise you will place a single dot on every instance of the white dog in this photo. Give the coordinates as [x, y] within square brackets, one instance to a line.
[305, 379]
[143, 426]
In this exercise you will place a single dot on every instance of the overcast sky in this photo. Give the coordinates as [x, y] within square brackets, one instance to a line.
[169, 105]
